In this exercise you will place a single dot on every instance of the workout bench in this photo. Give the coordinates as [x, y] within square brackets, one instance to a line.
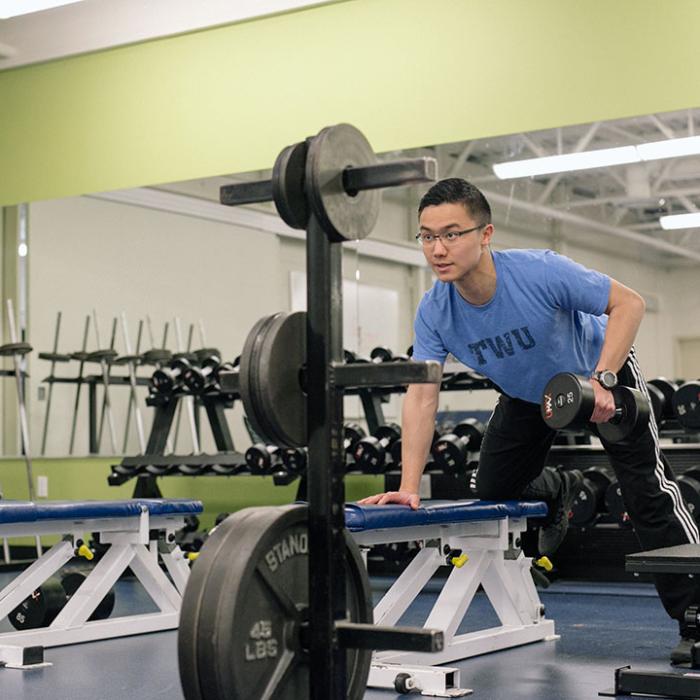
[131, 529]
[481, 540]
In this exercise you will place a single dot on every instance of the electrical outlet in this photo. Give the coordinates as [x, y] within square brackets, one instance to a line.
[41, 393]
[42, 486]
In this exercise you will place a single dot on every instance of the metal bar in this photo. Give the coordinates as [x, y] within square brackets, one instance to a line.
[667, 685]
[246, 193]
[354, 635]
[386, 374]
[393, 174]
[128, 408]
[132, 394]
[106, 403]
[76, 404]
[48, 398]
[188, 400]
[325, 485]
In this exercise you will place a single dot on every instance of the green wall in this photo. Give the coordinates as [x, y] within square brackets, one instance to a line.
[406, 72]
[81, 479]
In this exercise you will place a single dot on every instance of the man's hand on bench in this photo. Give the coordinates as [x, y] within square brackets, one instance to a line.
[406, 498]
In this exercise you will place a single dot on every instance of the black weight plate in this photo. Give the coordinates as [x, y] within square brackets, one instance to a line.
[690, 490]
[584, 505]
[473, 430]
[251, 591]
[72, 580]
[668, 389]
[634, 419]
[343, 217]
[686, 405]
[193, 601]
[41, 607]
[288, 185]
[615, 504]
[658, 401]
[249, 356]
[275, 374]
[567, 402]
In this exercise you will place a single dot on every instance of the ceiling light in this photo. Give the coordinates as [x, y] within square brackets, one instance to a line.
[13, 8]
[675, 221]
[566, 162]
[586, 160]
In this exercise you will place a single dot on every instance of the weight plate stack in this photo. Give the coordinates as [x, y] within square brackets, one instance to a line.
[244, 614]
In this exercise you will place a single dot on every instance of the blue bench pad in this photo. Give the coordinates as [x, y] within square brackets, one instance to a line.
[359, 518]
[29, 511]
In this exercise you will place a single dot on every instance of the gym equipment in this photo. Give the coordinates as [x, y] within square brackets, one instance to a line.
[615, 504]
[105, 358]
[189, 400]
[81, 357]
[53, 357]
[138, 534]
[668, 389]
[480, 541]
[326, 184]
[17, 350]
[568, 402]
[590, 499]
[689, 483]
[370, 452]
[165, 380]
[262, 459]
[43, 605]
[197, 378]
[294, 460]
[658, 401]
[686, 405]
[450, 451]
[131, 361]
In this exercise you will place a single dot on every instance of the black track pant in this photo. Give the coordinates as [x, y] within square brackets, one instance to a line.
[511, 464]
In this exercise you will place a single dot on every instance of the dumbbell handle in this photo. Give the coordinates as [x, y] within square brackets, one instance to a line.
[369, 177]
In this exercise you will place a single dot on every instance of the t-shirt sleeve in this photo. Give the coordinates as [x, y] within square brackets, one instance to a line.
[575, 287]
[427, 344]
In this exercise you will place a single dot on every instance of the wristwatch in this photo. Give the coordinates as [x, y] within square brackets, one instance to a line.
[606, 378]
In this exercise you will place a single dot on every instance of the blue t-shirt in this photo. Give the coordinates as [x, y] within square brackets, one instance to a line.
[547, 316]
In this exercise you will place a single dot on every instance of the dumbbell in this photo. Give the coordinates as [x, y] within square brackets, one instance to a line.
[686, 405]
[294, 459]
[590, 498]
[667, 389]
[43, 605]
[165, 379]
[370, 452]
[656, 396]
[568, 402]
[262, 459]
[450, 451]
[382, 354]
[196, 379]
[352, 434]
[614, 503]
[689, 484]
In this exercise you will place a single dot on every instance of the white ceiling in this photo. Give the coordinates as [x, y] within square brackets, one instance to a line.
[93, 25]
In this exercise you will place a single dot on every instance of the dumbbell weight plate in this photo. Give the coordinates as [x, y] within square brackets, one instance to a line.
[686, 405]
[633, 420]
[668, 389]
[72, 580]
[41, 607]
[615, 504]
[288, 185]
[657, 401]
[567, 402]
[690, 490]
[344, 217]
[244, 607]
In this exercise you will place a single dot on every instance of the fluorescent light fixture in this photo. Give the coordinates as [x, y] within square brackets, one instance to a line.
[566, 162]
[675, 221]
[13, 8]
[586, 160]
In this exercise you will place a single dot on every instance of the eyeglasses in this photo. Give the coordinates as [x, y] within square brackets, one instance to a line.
[448, 238]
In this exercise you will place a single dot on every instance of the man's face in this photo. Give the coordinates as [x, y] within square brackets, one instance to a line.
[452, 260]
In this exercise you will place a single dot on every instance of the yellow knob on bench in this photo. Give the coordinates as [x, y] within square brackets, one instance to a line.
[459, 561]
[191, 556]
[85, 551]
[544, 563]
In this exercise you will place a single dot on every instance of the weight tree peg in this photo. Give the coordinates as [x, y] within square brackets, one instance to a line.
[324, 184]
[81, 357]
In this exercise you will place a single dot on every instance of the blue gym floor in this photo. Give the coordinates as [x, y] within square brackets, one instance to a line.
[602, 627]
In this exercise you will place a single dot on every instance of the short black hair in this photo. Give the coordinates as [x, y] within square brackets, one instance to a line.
[455, 190]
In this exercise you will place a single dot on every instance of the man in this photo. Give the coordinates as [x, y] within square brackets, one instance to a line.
[520, 317]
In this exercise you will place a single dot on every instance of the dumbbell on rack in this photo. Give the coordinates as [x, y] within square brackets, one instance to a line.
[263, 459]
[615, 505]
[450, 450]
[568, 402]
[686, 405]
[166, 379]
[294, 460]
[667, 388]
[689, 484]
[590, 499]
[370, 452]
[197, 379]
[41, 608]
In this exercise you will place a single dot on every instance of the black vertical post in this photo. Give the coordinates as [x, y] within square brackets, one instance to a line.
[326, 466]
[92, 413]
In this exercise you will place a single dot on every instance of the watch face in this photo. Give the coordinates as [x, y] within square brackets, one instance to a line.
[608, 379]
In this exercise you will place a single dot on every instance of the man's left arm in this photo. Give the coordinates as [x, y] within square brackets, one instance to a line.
[625, 312]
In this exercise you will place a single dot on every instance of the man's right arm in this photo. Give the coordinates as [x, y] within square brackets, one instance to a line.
[417, 427]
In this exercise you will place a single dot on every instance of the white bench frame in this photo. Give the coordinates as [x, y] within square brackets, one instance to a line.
[129, 546]
[495, 562]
